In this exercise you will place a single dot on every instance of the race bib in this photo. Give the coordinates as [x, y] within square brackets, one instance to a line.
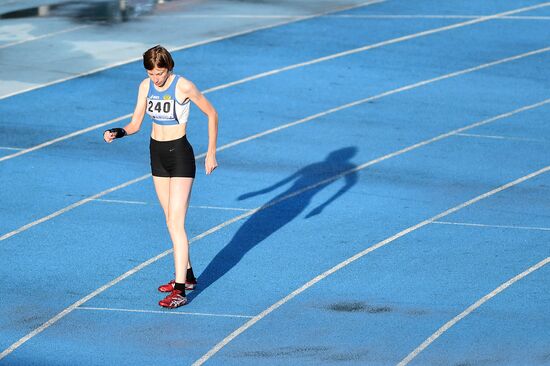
[161, 109]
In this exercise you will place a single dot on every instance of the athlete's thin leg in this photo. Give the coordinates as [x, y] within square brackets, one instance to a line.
[180, 192]
[162, 187]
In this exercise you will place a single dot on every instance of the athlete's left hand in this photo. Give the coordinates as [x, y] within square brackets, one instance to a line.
[210, 163]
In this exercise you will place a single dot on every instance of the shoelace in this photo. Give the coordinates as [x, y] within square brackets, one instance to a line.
[176, 297]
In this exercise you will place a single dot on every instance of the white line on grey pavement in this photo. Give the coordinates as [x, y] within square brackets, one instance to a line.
[42, 37]
[195, 44]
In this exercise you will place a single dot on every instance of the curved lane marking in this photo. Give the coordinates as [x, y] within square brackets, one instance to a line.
[139, 267]
[470, 309]
[352, 259]
[290, 67]
[303, 120]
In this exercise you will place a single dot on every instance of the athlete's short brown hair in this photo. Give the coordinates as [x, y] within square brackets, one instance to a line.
[158, 56]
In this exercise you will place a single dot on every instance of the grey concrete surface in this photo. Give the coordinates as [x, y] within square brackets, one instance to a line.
[63, 40]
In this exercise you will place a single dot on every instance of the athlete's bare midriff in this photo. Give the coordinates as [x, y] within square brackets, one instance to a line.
[167, 132]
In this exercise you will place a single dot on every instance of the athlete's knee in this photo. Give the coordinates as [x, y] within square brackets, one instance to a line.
[174, 223]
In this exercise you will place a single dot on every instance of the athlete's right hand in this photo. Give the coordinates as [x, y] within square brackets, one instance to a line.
[109, 136]
[114, 133]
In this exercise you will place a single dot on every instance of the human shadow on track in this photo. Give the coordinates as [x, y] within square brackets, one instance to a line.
[274, 215]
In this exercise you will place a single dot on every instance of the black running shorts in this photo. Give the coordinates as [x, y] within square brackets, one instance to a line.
[173, 158]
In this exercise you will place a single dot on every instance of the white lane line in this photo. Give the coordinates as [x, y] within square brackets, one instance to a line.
[470, 309]
[352, 259]
[126, 116]
[280, 70]
[431, 16]
[190, 206]
[139, 267]
[121, 201]
[231, 16]
[492, 226]
[380, 44]
[399, 90]
[220, 208]
[310, 118]
[200, 43]
[43, 36]
[527, 17]
[356, 16]
[62, 138]
[11, 148]
[68, 310]
[70, 207]
[497, 137]
[171, 312]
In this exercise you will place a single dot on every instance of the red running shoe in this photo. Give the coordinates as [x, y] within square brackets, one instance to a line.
[189, 286]
[173, 300]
